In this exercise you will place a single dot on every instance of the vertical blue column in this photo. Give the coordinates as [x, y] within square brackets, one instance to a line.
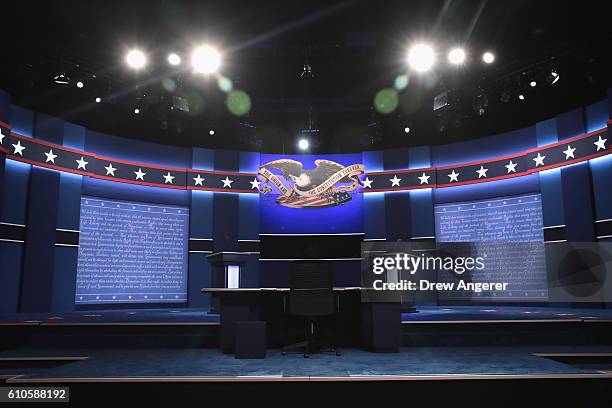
[374, 220]
[397, 205]
[14, 204]
[42, 212]
[597, 116]
[550, 180]
[68, 218]
[421, 201]
[248, 221]
[200, 227]
[225, 206]
[577, 186]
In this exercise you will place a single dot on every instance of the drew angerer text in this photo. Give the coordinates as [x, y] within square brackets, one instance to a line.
[425, 285]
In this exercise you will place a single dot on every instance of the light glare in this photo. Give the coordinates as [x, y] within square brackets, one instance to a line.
[303, 144]
[421, 57]
[456, 56]
[174, 59]
[136, 59]
[205, 60]
[488, 57]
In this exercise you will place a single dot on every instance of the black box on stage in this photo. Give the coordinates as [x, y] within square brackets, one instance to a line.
[251, 339]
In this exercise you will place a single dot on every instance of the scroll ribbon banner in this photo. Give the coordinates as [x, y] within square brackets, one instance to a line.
[352, 172]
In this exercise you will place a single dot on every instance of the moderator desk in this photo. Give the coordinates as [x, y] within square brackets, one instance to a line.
[373, 325]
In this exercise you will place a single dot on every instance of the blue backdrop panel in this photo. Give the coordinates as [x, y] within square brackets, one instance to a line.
[248, 226]
[421, 201]
[345, 218]
[550, 180]
[43, 199]
[131, 253]
[200, 226]
[597, 116]
[397, 204]
[64, 276]
[225, 210]
[17, 175]
[374, 203]
[10, 278]
[199, 277]
[576, 182]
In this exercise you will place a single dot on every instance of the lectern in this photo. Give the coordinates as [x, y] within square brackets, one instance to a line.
[226, 268]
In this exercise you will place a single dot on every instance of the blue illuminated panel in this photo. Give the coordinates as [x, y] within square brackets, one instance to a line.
[507, 232]
[131, 253]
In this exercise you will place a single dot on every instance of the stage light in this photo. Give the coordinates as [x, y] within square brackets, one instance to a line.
[80, 84]
[211, 132]
[480, 103]
[406, 129]
[303, 144]
[456, 56]
[552, 76]
[174, 59]
[533, 84]
[136, 111]
[136, 59]
[98, 99]
[521, 97]
[205, 60]
[488, 57]
[421, 57]
[61, 79]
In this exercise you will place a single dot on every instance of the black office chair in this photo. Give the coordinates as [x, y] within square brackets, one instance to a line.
[311, 296]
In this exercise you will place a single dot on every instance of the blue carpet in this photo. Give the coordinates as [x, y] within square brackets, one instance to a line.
[211, 362]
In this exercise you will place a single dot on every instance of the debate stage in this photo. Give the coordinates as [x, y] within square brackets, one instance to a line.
[519, 349]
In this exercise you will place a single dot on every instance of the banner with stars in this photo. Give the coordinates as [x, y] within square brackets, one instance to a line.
[40, 153]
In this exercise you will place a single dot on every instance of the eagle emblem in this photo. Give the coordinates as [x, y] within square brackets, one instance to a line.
[326, 185]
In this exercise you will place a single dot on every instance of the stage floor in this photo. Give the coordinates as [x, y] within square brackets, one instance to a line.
[424, 314]
[203, 364]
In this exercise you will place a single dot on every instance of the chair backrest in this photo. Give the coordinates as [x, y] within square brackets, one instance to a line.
[311, 288]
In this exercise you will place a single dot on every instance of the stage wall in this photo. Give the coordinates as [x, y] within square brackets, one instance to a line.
[40, 207]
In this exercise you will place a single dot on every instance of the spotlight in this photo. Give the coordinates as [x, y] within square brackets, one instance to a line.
[421, 57]
[533, 84]
[136, 111]
[61, 79]
[488, 57]
[80, 84]
[303, 144]
[456, 56]
[136, 59]
[174, 59]
[480, 103]
[211, 132]
[205, 60]
[98, 99]
[552, 76]
[521, 97]
[406, 129]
